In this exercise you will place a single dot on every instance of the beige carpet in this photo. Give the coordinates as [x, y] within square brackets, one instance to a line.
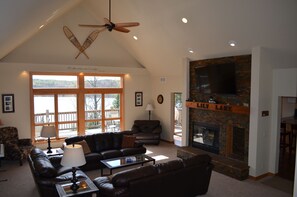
[20, 181]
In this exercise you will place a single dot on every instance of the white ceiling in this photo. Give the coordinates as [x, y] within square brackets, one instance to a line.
[163, 39]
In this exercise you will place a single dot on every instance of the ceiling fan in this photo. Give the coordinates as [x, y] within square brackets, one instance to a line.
[121, 27]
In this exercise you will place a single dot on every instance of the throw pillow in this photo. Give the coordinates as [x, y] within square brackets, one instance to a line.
[128, 141]
[85, 146]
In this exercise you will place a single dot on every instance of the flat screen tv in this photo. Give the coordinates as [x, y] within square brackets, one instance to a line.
[216, 79]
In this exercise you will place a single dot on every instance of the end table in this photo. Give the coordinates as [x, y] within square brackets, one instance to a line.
[86, 188]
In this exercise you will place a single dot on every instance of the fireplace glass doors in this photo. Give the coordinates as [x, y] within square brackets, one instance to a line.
[206, 137]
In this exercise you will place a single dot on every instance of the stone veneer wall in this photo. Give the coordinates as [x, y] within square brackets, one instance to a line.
[221, 118]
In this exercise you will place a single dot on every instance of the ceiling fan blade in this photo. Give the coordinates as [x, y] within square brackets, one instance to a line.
[83, 25]
[130, 24]
[121, 29]
[107, 21]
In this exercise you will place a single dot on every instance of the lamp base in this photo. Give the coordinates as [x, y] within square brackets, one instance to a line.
[74, 187]
[49, 145]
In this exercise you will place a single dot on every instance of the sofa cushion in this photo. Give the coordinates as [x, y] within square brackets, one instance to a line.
[44, 167]
[117, 140]
[128, 141]
[111, 154]
[85, 146]
[133, 151]
[122, 179]
[169, 166]
[75, 139]
[103, 141]
[36, 153]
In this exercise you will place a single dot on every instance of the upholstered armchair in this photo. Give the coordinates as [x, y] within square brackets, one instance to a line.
[15, 148]
[146, 131]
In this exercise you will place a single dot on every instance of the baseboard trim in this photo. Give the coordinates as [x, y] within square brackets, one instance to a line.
[171, 142]
[257, 178]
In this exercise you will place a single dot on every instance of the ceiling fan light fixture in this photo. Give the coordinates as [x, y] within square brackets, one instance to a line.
[185, 20]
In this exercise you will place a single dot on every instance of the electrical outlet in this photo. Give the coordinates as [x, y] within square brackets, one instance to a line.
[265, 113]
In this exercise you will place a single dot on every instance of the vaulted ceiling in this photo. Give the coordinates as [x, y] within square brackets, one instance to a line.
[163, 39]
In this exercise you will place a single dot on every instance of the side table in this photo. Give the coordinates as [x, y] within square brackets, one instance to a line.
[86, 188]
[1, 152]
[55, 151]
[1, 156]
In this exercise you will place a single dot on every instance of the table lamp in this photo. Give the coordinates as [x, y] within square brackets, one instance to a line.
[73, 157]
[149, 108]
[48, 131]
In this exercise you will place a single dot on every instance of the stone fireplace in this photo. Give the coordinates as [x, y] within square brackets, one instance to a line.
[206, 137]
[221, 127]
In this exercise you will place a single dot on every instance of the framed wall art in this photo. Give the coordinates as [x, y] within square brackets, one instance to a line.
[7, 103]
[160, 99]
[138, 99]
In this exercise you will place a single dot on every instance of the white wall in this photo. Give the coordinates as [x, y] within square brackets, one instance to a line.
[14, 79]
[261, 93]
[163, 112]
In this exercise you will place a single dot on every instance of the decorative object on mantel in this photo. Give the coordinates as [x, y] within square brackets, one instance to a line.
[121, 27]
[7, 103]
[149, 108]
[160, 99]
[90, 39]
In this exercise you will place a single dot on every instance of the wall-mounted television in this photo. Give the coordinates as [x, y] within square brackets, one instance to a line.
[216, 79]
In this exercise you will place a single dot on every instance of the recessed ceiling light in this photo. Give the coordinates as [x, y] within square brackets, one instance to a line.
[191, 50]
[135, 37]
[232, 43]
[184, 20]
[41, 26]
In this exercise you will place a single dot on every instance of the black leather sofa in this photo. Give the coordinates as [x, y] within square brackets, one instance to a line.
[105, 146]
[47, 171]
[146, 131]
[178, 178]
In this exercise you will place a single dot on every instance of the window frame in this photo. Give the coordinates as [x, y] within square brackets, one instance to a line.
[80, 91]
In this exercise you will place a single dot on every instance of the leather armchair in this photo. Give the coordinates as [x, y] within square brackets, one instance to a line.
[146, 131]
[15, 148]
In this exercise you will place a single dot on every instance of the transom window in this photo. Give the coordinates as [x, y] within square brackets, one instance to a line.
[76, 104]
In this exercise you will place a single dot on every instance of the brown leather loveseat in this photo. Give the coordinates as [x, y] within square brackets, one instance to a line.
[178, 178]
[105, 146]
[146, 131]
[47, 171]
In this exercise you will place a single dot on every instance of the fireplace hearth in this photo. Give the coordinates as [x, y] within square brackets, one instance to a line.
[206, 137]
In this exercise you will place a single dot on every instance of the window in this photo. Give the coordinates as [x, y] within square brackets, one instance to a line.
[76, 104]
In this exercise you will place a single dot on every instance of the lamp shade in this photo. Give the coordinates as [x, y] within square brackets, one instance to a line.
[73, 156]
[149, 107]
[48, 131]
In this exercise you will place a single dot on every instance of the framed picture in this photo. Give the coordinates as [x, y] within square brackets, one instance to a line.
[7, 103]
[138, 99]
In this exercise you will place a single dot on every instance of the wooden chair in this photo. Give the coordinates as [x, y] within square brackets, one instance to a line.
[284, 143]
[293, 137]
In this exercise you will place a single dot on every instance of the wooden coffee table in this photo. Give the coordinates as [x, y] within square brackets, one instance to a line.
[125, 161]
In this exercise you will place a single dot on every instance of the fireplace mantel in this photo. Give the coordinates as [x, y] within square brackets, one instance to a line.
[219, 107]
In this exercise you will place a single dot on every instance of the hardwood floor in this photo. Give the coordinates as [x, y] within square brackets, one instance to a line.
[286, 167]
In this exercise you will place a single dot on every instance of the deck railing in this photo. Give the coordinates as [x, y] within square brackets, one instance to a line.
[68, 120]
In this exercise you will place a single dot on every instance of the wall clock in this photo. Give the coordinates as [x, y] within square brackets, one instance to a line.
[160, 99]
